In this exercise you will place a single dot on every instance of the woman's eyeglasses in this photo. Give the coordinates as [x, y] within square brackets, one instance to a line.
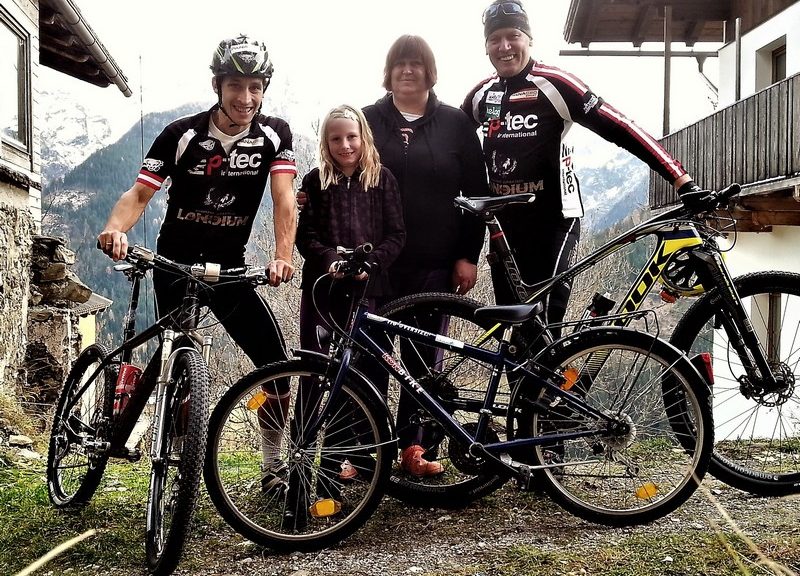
[507, 8]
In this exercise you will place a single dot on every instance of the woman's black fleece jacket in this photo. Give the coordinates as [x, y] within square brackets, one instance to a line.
[442, 160]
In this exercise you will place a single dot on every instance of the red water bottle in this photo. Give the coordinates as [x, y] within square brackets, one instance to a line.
[129, 376]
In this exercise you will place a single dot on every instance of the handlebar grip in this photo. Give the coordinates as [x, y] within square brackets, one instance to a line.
[361, 252]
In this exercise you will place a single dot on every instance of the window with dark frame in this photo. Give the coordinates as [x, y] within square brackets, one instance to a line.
[779, 64]
[14, 128]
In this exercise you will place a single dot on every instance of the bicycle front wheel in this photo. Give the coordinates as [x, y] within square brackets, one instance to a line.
[280, 487]
[175, 474]
[651, 454]
[757, 432]
[459, 385]
[78, 448]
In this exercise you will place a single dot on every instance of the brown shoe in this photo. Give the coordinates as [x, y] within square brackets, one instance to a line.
[412, 462]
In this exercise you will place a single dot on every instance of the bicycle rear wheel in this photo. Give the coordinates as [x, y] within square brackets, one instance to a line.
[175, 475]
[459, 384]
[757, 436]
[323, 488]
[652, 455]
[78, 448]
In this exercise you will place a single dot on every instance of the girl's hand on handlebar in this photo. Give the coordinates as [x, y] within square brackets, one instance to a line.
[336, 266]
[113, 243]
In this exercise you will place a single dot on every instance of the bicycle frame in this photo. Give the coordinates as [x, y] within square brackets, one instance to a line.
[364, 323]
[675, 230]
[189, 313]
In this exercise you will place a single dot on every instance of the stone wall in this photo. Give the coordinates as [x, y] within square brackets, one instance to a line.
[53, 337]
[16, 229]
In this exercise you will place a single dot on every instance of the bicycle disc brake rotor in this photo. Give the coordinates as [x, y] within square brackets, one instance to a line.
[461, 458]
[771, 398]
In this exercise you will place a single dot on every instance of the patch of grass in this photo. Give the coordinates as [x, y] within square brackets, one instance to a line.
[14, 415]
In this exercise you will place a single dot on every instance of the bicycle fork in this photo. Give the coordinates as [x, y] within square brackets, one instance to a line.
[159, 419]
[738, 327]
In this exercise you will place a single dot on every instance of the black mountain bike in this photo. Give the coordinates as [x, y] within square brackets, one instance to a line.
[614, 424]
[743, 333]
[105, 394]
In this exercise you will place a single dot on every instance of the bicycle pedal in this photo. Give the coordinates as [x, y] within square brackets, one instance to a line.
[522, 472]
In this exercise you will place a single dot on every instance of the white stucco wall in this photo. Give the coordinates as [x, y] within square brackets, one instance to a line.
[786, 23]
[776, 250]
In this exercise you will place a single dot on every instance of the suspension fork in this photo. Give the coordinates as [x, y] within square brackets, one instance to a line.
[738, 327]
[162, 385]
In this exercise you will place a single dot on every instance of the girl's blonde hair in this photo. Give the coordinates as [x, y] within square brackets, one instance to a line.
[370, 161]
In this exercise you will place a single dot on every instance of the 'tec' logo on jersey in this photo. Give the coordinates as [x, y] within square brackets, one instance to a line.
[512, 123]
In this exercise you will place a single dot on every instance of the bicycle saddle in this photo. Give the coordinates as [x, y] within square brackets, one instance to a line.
[509, 314]
[490, 204]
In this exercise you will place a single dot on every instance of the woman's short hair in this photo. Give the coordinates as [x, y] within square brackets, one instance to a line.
[409, 47]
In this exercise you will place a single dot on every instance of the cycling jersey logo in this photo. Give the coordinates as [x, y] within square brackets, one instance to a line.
[502, 165]
[493, 111]
[524, 95]
[219, 199]
[152, 165]
[494, 97]
[502, 189]
[207, 145]
[251, 142]
[515, 125]
[591, 103]
[244, 161]
[285, 155]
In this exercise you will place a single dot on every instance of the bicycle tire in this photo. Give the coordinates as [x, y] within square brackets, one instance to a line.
[328, 508]
[456, 378]
[74, 470]
[644, 470]
[175, 477]
[747, 454]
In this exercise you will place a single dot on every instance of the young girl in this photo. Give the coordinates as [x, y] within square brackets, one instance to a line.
[352, 199]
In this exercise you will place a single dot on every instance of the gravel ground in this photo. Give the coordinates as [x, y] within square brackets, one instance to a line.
[400, 540]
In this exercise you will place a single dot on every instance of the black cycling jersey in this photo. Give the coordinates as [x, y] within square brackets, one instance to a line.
[525, 119]
[213, 196]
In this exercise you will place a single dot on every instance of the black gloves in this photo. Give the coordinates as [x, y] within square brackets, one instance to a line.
[695, 198]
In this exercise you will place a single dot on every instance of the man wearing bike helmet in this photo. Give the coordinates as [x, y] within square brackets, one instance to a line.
[214, 167]
[525, 109]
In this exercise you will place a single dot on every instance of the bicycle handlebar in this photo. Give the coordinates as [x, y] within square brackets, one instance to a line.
[143, 259]
[709, 200]
[354, 261]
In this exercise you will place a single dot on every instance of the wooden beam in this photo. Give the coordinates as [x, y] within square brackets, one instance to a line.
[693, 31]
[759, 220]
[646, 14]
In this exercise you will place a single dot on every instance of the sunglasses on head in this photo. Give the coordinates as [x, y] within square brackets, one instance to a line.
[507, 8]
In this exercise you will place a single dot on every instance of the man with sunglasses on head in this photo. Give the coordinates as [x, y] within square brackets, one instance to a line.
[525, 109]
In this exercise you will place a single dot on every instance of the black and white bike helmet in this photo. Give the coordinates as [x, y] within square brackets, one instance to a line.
[242, 56]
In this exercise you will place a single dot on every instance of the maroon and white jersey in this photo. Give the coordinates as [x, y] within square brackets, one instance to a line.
[213, 195]
[525, 119]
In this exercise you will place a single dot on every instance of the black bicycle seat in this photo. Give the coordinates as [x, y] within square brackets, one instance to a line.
[490, 204]
[509, 314]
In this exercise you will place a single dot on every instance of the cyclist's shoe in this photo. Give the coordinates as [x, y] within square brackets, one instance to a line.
[412, 462]
[348, 471]
[273, 479]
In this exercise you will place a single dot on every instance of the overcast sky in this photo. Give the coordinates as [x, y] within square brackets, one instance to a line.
[327, 52]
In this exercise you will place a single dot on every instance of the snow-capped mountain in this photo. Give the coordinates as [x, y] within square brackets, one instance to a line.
[71, 131]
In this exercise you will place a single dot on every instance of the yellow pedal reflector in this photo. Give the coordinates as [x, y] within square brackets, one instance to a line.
[646, 491]
[325, 507]
[570, 377]
[257, 401]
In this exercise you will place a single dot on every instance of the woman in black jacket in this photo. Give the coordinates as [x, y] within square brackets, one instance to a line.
[433, 151]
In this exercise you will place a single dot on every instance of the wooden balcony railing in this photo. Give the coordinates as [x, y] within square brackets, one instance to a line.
[754, 141]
